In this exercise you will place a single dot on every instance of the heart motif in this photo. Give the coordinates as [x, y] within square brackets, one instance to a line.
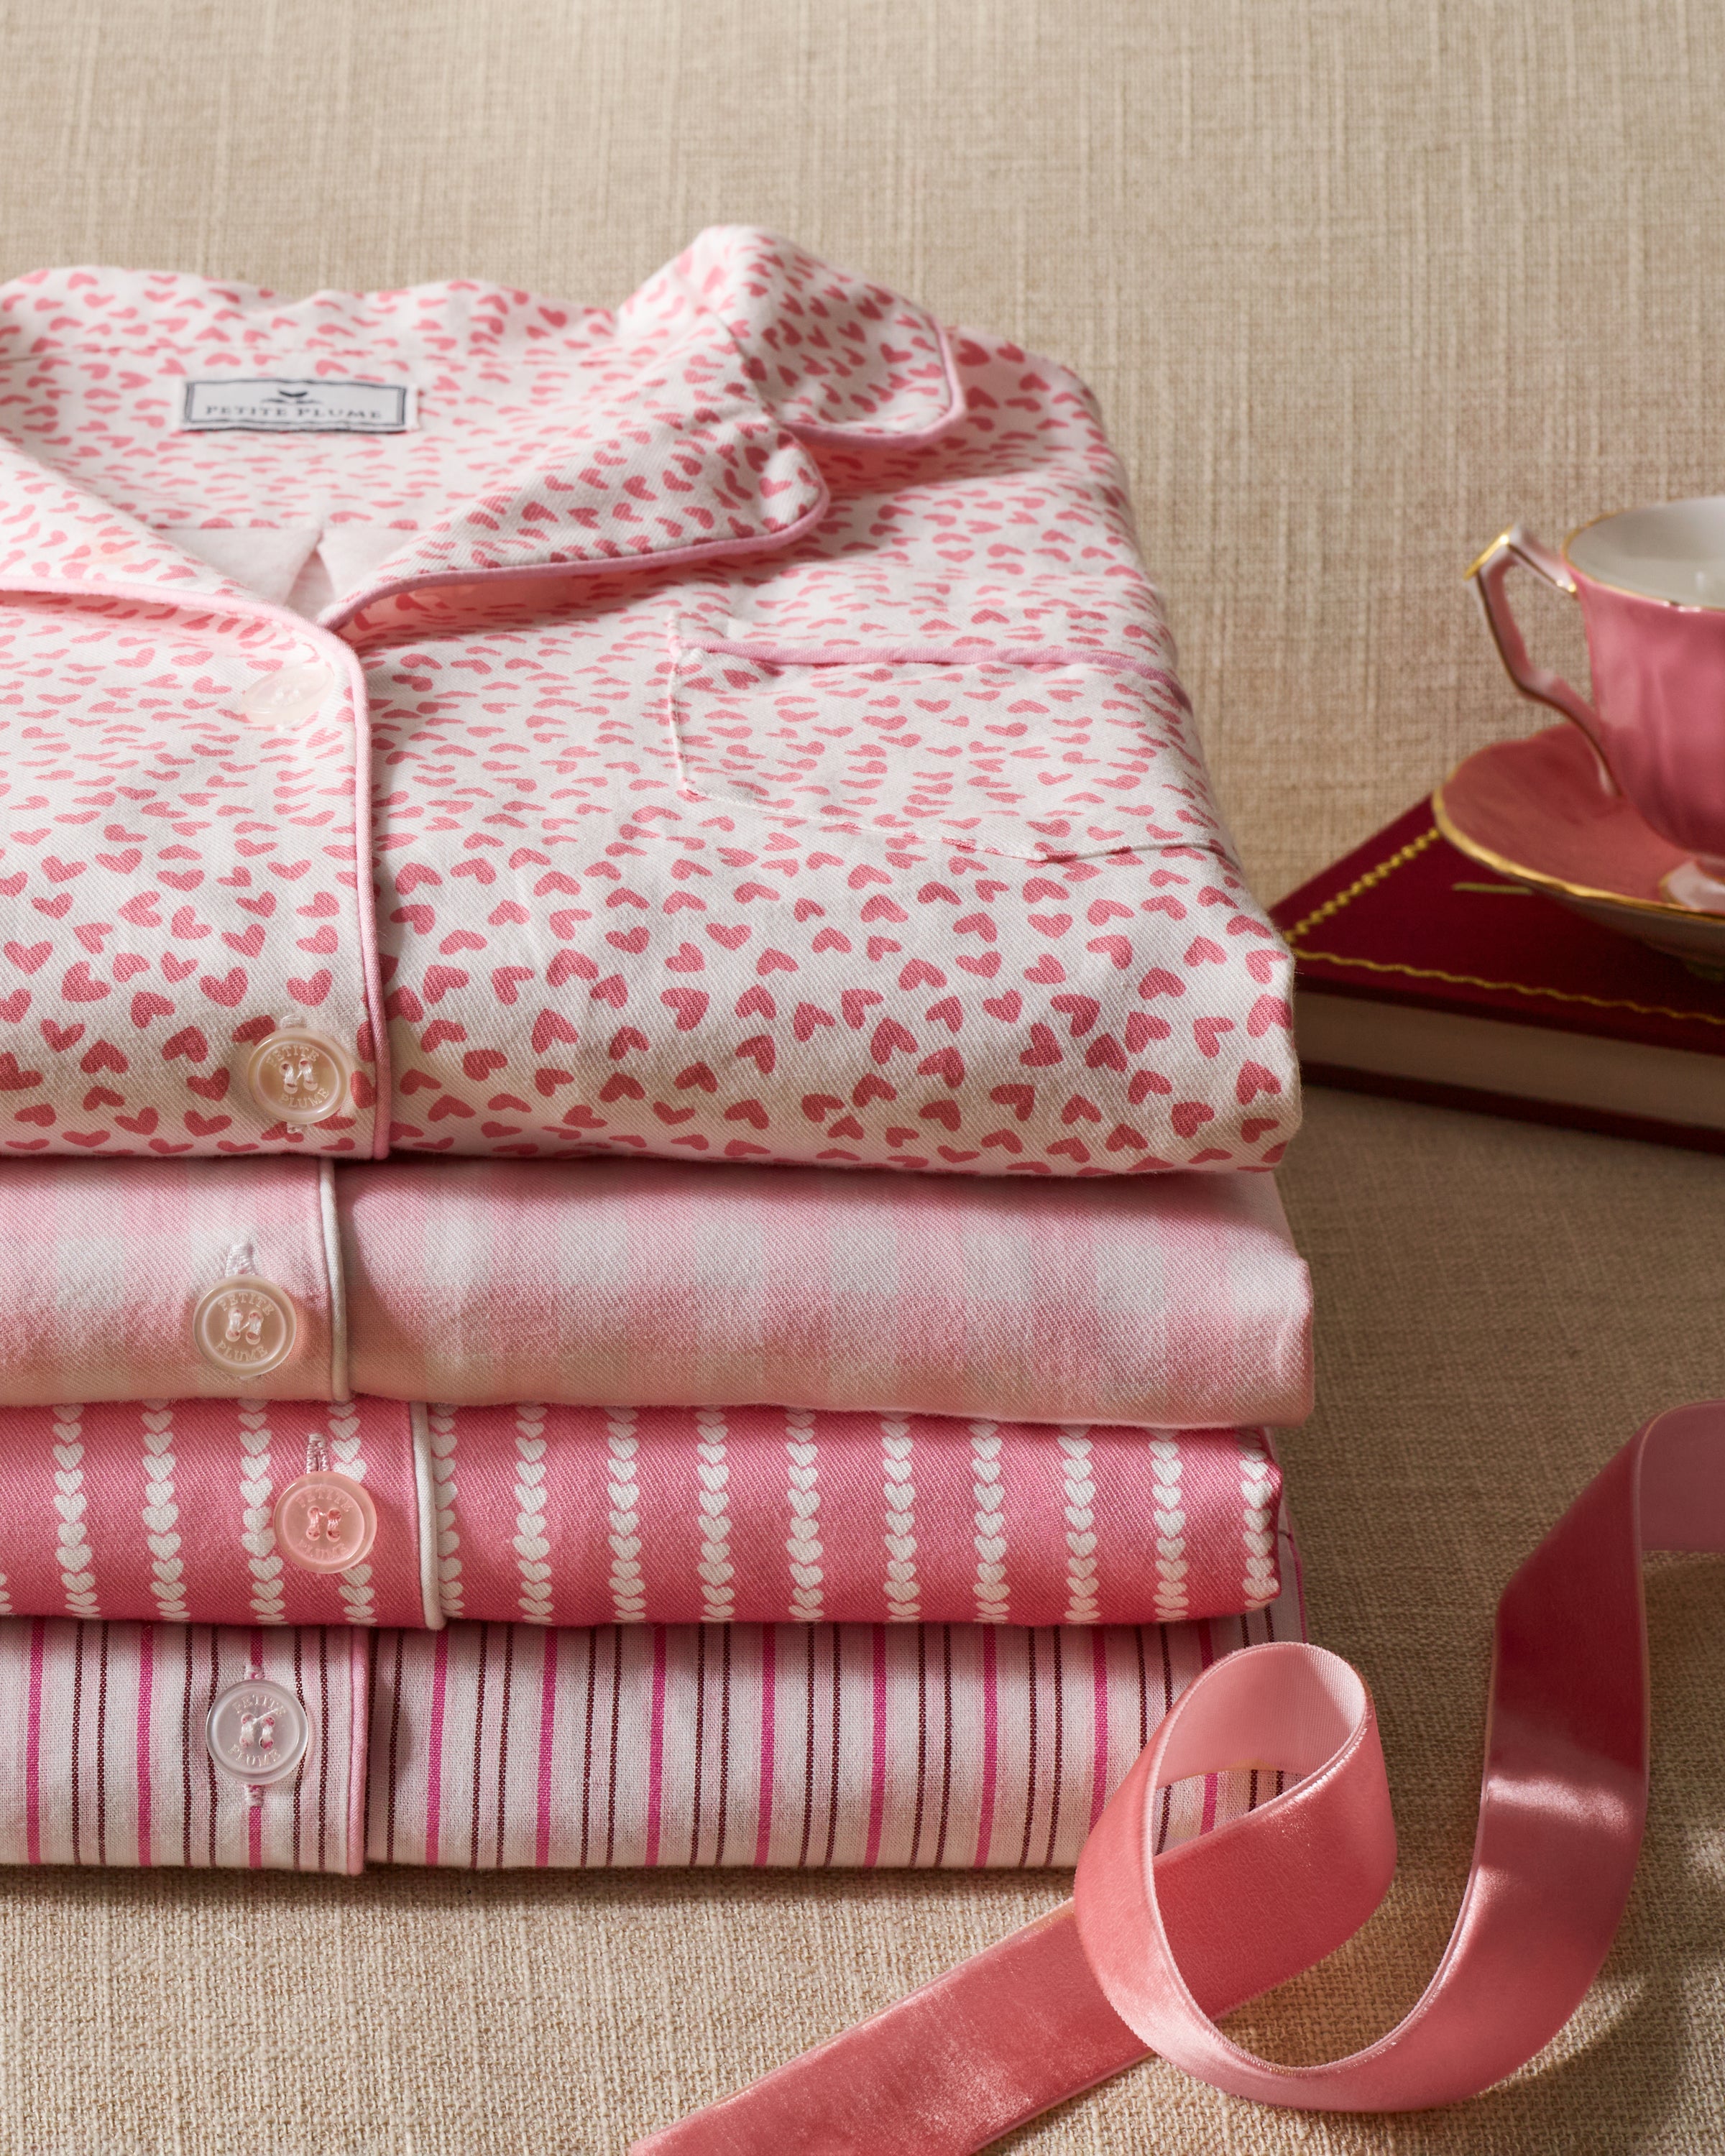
[901, 847]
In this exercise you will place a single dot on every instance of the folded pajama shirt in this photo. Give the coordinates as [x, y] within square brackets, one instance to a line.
[1166, 1300]
[738, 726]
[568, 1515]
[489, 1746]
[736, 729]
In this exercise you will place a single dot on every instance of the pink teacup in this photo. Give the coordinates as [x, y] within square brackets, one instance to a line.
[1651, 584]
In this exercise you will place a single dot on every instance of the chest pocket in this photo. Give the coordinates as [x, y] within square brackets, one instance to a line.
[1036, 752]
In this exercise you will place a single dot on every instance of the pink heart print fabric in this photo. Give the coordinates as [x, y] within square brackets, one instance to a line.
[561, 1516]
[1173, 1300]
[498, 1746]
[737, 726]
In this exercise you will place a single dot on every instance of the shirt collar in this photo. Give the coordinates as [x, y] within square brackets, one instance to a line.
[683, 435]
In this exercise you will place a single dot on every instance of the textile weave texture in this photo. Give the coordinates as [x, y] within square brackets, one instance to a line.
[564, 1515]
[506, 1746]
[1164, 1300]
[676, 758]
[1356, 281]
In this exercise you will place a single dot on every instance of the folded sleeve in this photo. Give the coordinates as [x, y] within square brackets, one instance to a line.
[168, 1509]
[195, 1511]
[1173, 1300]
[106, 1267]
[962, 1746]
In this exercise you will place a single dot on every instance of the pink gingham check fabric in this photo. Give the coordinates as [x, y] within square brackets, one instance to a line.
[736, 726]
[1173, 1302]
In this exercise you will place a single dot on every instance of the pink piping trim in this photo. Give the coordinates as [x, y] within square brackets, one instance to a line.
[359, 1746]
[814, 430]
[364, 904]
[707, 550]
[937, 655]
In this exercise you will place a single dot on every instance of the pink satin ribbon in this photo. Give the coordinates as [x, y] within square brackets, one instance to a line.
[1149, 1951]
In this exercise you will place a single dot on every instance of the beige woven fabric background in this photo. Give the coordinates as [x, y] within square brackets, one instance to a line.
[1357, 280]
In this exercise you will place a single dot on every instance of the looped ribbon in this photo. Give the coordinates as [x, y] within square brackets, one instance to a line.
[1151, 1948]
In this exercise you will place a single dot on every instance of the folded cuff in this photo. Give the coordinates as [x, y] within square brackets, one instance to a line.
[105, 1761]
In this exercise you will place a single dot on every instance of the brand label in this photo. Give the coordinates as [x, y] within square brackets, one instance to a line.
[285, 404]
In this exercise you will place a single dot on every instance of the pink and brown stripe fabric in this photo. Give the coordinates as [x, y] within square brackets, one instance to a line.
[102, 1753]
[561, 1516]
[962, 1745]
[499, 1745]
[1168, 1301]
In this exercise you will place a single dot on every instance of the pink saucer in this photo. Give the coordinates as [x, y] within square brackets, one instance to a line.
[1537, 811]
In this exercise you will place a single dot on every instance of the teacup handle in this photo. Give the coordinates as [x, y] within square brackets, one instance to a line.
[1488, 576]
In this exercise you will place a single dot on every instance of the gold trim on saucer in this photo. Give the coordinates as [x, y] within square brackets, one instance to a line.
[1539, 880]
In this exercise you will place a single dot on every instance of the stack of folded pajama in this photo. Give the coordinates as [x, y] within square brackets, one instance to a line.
[638, 1083]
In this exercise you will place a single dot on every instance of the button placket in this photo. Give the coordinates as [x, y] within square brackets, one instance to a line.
[298, 1076]
[287, 696]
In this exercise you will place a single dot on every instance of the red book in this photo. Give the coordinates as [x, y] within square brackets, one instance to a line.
[1420, 974]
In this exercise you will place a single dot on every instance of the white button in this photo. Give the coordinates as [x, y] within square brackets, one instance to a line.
[244, 1325]
[299, 1077]
[257, 1731]
[287, 696]
[326, 1522]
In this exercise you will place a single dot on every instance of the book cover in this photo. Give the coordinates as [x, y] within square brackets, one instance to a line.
[1406, 919]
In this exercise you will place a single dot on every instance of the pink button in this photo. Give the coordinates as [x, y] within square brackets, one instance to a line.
[257, 1731]
[326, 1522]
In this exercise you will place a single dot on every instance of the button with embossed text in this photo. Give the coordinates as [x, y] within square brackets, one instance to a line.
[326, 1522]
[287, 696]
[299, 1077]
[257, 1731]
[244, 1325]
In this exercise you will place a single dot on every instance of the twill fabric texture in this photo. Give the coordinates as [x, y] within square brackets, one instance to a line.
[562, 1516]
[1173, 1302]
[490, 1746]
[735, 727]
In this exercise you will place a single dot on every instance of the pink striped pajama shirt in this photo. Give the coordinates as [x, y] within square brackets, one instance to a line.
[488, 1746]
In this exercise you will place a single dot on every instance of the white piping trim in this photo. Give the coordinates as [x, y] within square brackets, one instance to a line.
[425, 1498]
[335, 1273]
